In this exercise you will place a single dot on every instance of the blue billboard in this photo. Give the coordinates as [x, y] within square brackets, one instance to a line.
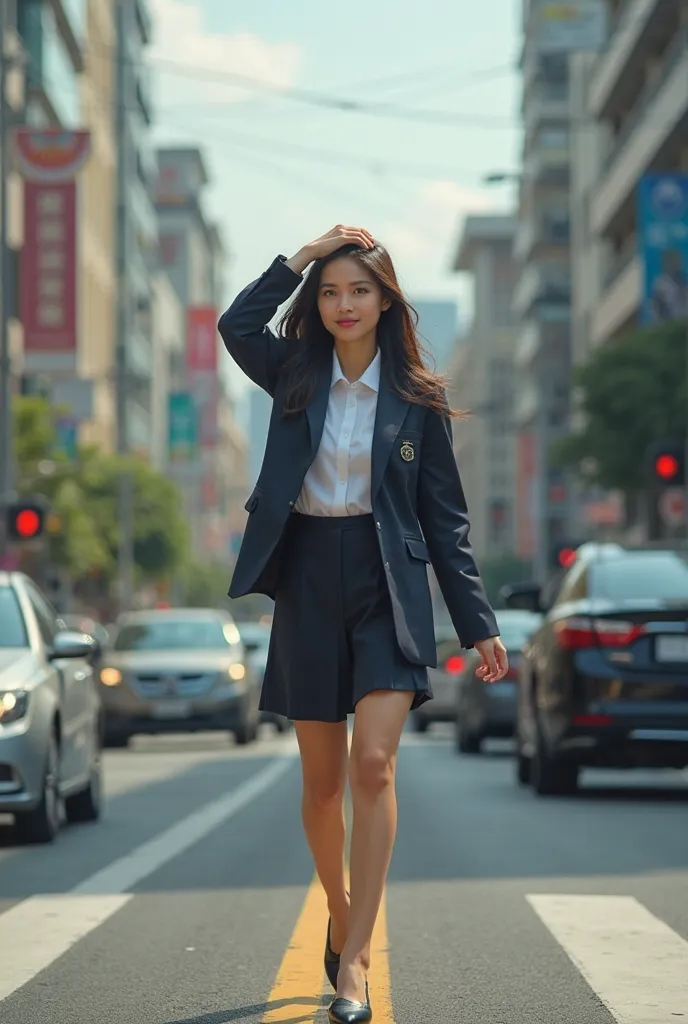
[663, 236]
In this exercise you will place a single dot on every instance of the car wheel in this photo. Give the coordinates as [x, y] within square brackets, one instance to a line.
[420, 723]
[245, 733]
[468, 742]
[42, 824]
[551, 776]
[87, 805]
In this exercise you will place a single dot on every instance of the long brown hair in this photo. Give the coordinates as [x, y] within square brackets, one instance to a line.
[402, 353]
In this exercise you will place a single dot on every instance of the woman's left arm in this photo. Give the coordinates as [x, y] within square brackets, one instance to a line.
[443, 517]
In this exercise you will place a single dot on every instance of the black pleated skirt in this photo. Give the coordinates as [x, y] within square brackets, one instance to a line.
[333, 637]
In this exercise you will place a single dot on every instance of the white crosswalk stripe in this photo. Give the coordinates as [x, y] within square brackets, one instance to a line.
[635, 963]
[34, 933]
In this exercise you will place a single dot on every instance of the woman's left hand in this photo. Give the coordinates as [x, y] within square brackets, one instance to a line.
[495, 660]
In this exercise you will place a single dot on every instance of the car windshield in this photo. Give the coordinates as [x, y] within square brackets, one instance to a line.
[655, 575]
[516, 626]
[173, 634]
[12, 628]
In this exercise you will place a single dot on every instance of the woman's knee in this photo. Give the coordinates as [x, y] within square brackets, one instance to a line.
[322, 793]
[371, 769]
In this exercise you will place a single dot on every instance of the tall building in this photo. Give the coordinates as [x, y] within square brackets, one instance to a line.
[481, 373]
[97, 230]
[542, 295]
[638, 91]
[69, 48]
[193, 256]
[136, 226]
[15, 81]
[542, 298]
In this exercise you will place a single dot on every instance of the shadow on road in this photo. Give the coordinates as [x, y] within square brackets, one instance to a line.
[242, 1012]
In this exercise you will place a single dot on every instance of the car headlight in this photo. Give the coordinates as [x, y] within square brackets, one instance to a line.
[13, 705]
[110, 676]
[236, 671]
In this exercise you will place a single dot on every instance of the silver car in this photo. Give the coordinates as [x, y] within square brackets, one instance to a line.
[50, 715]
[181, 670]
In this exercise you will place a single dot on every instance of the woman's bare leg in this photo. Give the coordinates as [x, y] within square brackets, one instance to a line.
[379, 722]
[324, 755]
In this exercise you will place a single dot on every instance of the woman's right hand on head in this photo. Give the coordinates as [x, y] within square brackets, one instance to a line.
[334, 239]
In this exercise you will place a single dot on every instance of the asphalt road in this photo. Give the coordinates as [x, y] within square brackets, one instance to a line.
[193, 901]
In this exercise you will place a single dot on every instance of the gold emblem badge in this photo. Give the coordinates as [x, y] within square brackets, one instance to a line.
[407, 452]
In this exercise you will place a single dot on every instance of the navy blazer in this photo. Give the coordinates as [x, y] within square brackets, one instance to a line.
[418, 504]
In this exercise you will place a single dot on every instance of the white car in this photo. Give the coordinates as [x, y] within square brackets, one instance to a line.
[50, 715]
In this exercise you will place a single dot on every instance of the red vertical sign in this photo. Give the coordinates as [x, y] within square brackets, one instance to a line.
[48, 268]
[201, 338]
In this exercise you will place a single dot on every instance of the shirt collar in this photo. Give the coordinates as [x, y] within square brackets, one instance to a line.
[371, 377]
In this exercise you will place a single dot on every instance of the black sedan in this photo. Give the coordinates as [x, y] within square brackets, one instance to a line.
[604, 681]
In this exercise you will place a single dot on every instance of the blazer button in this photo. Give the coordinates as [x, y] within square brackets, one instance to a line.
[386, 565]
[291, 504]
[379, 525]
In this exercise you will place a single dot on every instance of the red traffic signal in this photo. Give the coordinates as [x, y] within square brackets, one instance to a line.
[665, 461]
[566, 557]
[667, 466]
[25, 521]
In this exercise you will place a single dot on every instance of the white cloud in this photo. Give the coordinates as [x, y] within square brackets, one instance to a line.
[180, 38]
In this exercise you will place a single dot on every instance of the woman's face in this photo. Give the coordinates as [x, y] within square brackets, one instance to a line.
[349, 300]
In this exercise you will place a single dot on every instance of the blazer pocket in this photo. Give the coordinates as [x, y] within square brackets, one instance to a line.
[252, 502]
[417, 548]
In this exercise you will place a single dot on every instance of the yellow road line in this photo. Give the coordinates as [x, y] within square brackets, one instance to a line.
[297, 994]
[379, 976]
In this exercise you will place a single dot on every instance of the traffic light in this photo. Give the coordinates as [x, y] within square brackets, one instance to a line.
[563, 555]
[25, 520]
[665, 462]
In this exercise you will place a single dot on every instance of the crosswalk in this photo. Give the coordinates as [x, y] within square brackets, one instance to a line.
[634, 963]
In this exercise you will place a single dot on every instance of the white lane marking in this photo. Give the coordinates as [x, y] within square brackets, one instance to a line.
[147, 858]
[37, 931]
[635, 963]
[34, 933]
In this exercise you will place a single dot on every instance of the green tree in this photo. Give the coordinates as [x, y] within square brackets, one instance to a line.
[84, 495]
[633, 392]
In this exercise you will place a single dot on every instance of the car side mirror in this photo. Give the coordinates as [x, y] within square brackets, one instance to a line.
[70, 644]
[526, 596]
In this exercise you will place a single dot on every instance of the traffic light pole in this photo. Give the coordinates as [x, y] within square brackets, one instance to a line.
[6, 482]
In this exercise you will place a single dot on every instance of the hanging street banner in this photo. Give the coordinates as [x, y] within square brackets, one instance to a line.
[663, 234]
[182, 428]
[49, 160]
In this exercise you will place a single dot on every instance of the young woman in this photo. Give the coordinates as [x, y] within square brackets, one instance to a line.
[358, 493]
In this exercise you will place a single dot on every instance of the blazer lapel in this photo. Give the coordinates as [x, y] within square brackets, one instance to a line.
[316, 410]
[389, 417]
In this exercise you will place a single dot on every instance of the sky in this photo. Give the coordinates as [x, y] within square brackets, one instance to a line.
[287, 163]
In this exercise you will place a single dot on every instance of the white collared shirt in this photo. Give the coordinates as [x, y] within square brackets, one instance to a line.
[338, 480]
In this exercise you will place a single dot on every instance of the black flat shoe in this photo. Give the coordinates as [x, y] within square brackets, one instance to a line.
[350, 1011]
[331, 960]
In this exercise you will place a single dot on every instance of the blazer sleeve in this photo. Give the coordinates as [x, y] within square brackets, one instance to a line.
[443, 517]
[243, 327]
